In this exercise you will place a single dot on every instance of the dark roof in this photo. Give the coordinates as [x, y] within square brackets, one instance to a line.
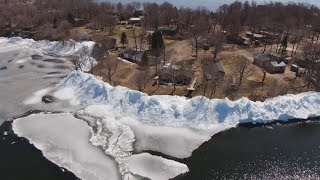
[185, 72]
[168, 28]
[217, 66]
[179, 72]
[269, 57]
[262, 57]
[101, 37]
[132, 52]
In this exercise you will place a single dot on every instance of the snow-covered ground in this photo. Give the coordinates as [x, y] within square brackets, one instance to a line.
[24, 80]
[63, 139]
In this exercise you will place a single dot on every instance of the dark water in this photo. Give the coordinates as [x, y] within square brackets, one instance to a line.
[290, 151]
[20, 160]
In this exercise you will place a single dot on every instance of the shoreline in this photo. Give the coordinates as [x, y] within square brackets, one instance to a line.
[7, 126]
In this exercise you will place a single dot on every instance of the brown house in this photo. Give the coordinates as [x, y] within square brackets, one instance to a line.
[139, 57]
[275, 67]
[170, 74]
[215, 70]
[104, 41]
[272, 62]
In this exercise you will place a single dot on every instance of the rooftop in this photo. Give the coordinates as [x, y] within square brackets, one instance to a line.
[217, 66]
[135, 19]
[276, 64]
[168, 28]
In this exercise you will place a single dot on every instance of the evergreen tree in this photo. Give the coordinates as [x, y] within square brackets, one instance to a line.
[123, 39]
[157, 42]
[284, 44]
[70, 18]
[55, 22]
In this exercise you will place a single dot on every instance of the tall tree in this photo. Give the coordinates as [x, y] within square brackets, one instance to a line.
[123, 39]
[242, 68]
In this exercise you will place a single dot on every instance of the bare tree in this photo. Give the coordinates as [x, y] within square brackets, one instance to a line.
[110, 63]
[216, 40]
[135, 38]
[242, 68]
[196, 32]
[141, 79]
[263, 70]
[141, 40]
[77, 61]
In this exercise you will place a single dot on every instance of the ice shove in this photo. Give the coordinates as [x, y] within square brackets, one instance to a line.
[114, 137]
[175, 125]
[175, 111]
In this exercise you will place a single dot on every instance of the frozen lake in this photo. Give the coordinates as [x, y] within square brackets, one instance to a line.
[26, 74]
[288, 151]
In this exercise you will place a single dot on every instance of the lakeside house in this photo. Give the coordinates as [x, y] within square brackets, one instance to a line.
[177, 74]
[254, 36]
[137, 13]
[134, 21]
[275, 67]
[78, 22]
[215, 70]
[139, 57]
[168, 31]
[239, 40]
[271, 62]
[104, 41]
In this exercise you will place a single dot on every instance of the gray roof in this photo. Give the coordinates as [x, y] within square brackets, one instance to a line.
[276, 64]
[263, 57]
[178, 72]
[269, 57]
[217, 66]
[132, 52]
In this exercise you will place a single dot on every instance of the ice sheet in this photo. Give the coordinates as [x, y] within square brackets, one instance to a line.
[155, 167]
[63, 139]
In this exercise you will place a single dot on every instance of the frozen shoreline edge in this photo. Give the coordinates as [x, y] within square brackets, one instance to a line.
[250, 125]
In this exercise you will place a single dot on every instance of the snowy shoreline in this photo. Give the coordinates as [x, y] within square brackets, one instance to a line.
[199, 112]
[159, 154]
